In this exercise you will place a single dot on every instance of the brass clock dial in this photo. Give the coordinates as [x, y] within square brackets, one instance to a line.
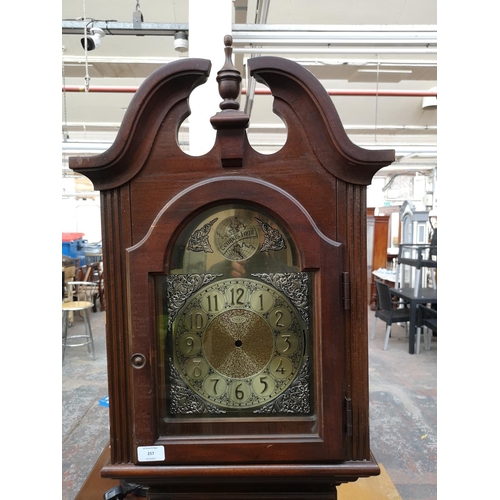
[238, 343]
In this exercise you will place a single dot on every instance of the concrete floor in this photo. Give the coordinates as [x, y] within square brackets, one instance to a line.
[403, 411]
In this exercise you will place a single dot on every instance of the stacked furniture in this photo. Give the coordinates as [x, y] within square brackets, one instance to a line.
[420, 257]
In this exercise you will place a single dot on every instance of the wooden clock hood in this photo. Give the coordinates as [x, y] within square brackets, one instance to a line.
[316, 185]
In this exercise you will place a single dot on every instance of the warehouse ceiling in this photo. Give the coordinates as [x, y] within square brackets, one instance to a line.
[376, 58]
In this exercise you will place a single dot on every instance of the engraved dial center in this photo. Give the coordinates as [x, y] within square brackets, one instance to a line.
[238, 343]
[236, 238]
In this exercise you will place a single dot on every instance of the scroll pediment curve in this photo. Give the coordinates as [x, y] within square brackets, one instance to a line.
[298, 89]
[165, 91]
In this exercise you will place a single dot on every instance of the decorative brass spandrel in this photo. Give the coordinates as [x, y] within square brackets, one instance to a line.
[199, 239]
[273, 239]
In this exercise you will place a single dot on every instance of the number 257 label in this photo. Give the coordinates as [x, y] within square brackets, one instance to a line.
[150, 453]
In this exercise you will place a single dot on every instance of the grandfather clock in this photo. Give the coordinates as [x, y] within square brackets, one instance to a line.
[236, 293]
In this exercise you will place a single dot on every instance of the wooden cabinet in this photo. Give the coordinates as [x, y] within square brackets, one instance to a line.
[379, 251]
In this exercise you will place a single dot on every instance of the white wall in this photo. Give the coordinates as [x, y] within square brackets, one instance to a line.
[374, 193]
[82, 216]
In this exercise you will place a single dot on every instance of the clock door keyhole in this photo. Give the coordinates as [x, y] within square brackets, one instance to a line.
[238, 343]
[138, 360]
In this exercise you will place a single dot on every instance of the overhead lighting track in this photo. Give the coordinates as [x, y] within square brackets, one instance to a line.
[273, 34]
[336, 49]
[115, 28]
[334, 35]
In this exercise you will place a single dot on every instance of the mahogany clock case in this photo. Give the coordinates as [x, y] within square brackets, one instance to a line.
[157, 204]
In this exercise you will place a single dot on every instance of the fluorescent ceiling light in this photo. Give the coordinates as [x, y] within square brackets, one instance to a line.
[405, 71]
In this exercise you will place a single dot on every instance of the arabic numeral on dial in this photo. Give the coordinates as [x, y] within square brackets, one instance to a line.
[189, 344]
[196, 320]
[281, 367]
[236, 296]
[239, 392]
[287, 343]
[197, 368]
[212, 302]
[263, 385]
[215, 306]
[215, 381]
[286, 338]
[262, 301]
[214, 386]
[281, 319]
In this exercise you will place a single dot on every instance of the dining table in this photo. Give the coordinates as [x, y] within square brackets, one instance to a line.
[414, 297]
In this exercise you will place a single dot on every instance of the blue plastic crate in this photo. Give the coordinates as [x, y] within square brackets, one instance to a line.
[73, 245]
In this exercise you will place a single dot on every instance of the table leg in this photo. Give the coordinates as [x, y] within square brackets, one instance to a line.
[413, 316]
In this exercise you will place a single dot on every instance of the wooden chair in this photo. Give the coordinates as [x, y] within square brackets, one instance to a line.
[102, 301]
[388, 311]
[81, 295]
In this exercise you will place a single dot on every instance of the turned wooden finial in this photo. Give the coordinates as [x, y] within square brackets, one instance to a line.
[229, 79]
[230, 123]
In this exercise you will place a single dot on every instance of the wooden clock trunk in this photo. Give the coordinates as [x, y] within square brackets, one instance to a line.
[314, 189]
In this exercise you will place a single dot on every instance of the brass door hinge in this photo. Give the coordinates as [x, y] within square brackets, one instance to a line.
[346, 290]
[348, 416]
